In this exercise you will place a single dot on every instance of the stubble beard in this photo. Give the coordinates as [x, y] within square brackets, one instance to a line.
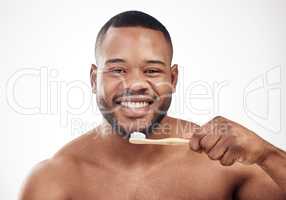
[124, 133]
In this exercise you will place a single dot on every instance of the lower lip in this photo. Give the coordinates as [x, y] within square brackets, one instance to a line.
[135, 112]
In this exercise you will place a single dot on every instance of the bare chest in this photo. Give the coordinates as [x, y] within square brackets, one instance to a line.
[170, 182]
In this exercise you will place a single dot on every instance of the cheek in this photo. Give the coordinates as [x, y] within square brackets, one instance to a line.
[163, 87]
[108, 88]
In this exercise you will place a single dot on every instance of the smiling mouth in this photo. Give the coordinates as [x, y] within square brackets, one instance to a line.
[135, 102]
[134, 105]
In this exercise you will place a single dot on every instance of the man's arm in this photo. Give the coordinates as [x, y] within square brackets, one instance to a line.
[258, 186]
[274, 164]
[229, 142]
[268, 182]
[43, 184]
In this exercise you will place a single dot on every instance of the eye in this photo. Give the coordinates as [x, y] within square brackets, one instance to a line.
[118, 70]
[152, 71]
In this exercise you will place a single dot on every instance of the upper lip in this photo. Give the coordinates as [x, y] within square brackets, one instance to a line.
[135, 98]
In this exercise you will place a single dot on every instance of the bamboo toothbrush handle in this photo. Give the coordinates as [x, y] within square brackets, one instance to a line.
[165, 141]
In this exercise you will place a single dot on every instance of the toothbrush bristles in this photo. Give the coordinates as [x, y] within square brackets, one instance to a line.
[137, 135]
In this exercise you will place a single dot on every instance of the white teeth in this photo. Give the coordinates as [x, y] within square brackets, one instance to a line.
[134, 104]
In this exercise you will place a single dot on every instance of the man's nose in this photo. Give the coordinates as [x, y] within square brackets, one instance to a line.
[136, 82]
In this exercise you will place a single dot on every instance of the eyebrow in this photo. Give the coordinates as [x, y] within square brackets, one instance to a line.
[120, 60]
[155, 62]
[115, 60]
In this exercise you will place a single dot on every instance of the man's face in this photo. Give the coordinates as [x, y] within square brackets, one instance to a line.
[133, 80]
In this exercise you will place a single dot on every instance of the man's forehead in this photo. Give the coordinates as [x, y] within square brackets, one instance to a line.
[120, 41]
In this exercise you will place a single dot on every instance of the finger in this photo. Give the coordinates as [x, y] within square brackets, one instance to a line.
[229, 157]
[195, 141]
[198, 135]
[209, 141]
[217, 152]
[207, 129]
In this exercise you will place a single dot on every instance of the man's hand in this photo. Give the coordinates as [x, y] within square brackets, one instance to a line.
[224, 140]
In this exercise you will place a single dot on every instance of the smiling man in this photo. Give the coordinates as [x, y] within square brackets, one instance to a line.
[133, 80]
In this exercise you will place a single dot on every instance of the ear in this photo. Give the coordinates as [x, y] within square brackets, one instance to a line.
[174, 76]
[93, 71]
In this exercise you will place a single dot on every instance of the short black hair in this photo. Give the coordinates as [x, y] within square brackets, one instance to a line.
[133, 18]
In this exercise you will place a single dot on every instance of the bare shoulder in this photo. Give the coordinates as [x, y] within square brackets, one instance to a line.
[57, 177]
[48, 179]
[183, 128]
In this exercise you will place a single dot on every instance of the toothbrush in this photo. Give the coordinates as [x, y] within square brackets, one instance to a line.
[140, 138]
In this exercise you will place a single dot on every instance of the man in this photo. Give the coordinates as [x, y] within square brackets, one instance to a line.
[133, 80]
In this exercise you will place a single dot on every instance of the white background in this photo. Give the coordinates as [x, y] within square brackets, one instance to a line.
[231, 57]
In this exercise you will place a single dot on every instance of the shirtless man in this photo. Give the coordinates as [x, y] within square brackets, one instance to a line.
[133, 80]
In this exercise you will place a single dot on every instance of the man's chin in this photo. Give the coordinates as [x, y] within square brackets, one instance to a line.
[145, 125]
[134, 126]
